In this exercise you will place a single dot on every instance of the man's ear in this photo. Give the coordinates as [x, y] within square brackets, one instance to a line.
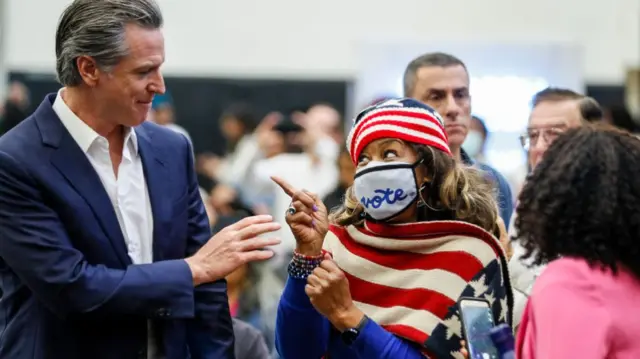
[88, 70]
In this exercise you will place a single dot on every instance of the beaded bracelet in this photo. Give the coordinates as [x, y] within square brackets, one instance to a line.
[302, 266]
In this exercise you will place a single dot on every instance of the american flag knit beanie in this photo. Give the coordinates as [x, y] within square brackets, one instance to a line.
[405, 119]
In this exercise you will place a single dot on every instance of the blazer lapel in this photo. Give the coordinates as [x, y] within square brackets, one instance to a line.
[156, 175]
[74, 165]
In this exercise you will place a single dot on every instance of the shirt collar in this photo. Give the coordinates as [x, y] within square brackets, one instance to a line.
[466, 159]
[84, 135]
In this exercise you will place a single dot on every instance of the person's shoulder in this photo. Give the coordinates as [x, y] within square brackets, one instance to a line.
[574, 273]
[571, 282]
[162, 136]
[22, 140]
[500, 182]
[572, 266]
[155, 130]
[179, 129]
[26, 127]
[497, 176]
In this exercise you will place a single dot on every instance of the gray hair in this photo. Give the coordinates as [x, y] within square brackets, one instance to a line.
[433, 59]
[96, 28]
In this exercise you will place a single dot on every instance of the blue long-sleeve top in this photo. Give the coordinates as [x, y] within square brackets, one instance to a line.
[303, 333]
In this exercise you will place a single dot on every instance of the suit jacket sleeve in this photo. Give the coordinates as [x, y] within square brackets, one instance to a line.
[210, 333]
[35, 245]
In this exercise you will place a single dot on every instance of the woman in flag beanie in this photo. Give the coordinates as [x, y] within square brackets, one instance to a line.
[380, 276]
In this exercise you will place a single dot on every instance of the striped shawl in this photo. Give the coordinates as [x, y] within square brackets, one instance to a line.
[409, 277]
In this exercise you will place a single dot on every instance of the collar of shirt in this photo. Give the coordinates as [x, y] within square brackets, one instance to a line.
[84, 135]
[466, 159]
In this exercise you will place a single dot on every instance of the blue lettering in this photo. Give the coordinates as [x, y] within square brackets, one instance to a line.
[382, 196]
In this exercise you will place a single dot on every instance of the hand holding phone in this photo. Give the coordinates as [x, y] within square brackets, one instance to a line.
[477, 321]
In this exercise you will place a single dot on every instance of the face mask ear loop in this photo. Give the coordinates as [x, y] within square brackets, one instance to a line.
[422, 202]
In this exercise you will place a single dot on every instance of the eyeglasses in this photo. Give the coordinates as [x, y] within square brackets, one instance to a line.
[548, 135]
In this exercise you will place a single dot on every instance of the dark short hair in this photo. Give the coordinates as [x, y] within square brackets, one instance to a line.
[583, 201]
[590, 110]
[432, 59]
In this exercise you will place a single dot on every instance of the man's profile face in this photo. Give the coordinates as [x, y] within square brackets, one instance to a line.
[129, 87]
[446, 89]
[547, 121]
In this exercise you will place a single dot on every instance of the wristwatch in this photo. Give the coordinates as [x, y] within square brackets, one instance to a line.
[350, 335]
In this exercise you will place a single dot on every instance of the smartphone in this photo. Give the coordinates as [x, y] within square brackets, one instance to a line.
[477, 321]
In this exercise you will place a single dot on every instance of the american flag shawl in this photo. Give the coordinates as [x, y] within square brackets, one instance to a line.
[408, 277]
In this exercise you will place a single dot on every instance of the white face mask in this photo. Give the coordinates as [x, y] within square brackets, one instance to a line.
[386, 189]
[472, 145]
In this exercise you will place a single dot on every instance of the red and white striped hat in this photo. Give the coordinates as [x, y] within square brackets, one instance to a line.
[405, 119]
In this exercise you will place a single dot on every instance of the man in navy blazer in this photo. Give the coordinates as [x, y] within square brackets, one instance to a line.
[105, 248]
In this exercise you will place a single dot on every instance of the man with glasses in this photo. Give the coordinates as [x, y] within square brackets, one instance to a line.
[554, 111]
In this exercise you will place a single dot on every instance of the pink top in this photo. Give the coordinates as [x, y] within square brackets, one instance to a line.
[576, 311]
[233, 308]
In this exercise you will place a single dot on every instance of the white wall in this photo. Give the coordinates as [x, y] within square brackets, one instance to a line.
[381, 66]
[293, 38]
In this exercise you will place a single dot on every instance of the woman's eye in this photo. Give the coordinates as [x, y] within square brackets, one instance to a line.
[390, 154]
[362, 159]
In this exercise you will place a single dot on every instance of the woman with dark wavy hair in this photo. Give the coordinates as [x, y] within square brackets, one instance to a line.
[580, 211]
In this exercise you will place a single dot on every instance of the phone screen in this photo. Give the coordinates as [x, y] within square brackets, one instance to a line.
[478, 322]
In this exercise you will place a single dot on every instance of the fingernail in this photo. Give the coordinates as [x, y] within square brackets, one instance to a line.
[315, 208]
[313, 223]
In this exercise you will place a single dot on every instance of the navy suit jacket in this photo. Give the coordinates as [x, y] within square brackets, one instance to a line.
[68, 289]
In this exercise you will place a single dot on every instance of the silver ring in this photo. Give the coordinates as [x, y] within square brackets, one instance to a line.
[291, 211]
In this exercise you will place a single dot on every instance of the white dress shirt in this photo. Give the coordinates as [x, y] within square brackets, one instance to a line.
[127, 192]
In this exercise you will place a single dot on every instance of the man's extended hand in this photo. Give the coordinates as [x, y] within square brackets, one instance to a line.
[232, 247]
